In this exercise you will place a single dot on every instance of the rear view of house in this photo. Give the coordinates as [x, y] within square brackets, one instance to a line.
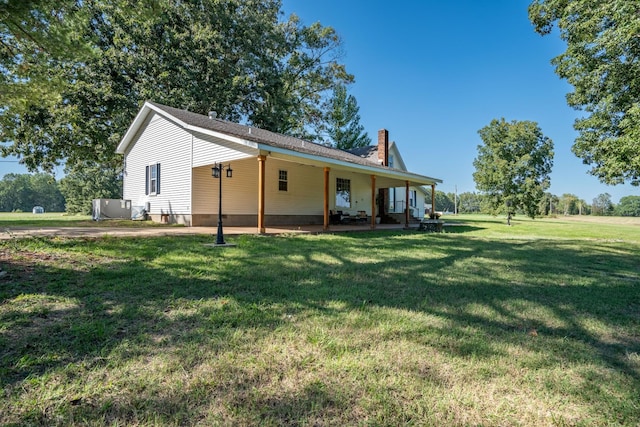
[276, 179]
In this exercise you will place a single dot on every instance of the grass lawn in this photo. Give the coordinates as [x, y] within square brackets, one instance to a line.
[534, 324]
[59, 219]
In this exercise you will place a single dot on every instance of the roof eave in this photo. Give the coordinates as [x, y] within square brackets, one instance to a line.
[373, 169]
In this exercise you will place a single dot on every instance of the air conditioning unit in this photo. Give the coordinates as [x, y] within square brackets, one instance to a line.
[111, 209]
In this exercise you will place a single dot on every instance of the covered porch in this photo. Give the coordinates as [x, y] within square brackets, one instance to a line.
[275, 188]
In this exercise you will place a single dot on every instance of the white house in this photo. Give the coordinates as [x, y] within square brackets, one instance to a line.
[169, 154]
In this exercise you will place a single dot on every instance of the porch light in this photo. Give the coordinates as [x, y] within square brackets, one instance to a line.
[216, 172]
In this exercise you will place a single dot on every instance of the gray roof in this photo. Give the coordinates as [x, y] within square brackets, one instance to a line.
[369, 152]
[262, 136]
[265, 138]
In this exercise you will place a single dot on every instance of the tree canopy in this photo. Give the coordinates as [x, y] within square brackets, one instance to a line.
[100, 60]
[342, 121]
[602, 205]
[87, 182]
[628, 206]
[602, 62]
[513, 166]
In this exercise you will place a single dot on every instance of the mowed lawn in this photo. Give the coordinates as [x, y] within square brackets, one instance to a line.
[534, 324]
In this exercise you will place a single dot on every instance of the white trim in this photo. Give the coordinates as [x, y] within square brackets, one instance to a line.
[372, 170]
[142, 115]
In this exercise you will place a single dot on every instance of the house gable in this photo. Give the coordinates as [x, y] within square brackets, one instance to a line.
[161, 142]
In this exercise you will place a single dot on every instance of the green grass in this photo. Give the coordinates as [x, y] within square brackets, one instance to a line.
[58, 219]
[534, 324]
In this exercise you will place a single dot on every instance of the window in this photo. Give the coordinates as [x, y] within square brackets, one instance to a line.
[343, 192]
[412, 198]
[152, 185]
[282, 181]
[390, 161]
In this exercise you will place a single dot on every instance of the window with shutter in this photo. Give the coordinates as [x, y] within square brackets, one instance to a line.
[152, 185]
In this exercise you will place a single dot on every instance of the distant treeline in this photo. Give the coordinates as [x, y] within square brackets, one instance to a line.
[21, 192]
[567, 204]
[72, 194]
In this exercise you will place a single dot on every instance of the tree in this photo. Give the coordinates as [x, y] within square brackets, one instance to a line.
[602, 205]
[513, 166]
[34, 33]
[628, 206]
[234, 57]
[469, 202]
[602, 62]
[21, 192]
[87, 182]
[549, 204]
[569, 204]
[443, 202]
[342, 121]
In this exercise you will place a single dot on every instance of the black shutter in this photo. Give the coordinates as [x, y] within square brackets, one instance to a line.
[146, 181]
[158, 178]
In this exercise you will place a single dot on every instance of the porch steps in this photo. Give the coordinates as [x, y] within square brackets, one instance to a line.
[398, 218]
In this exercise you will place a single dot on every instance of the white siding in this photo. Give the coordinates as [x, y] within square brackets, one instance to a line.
[207, 150]
[240, 193]
[160, 141]
[305, 192]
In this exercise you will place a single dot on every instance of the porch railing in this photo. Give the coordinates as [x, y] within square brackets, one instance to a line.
[398, 207]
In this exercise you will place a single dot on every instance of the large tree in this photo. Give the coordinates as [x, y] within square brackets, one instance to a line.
[87, 182]
[236, 57]
[469, 202]
[341, 122]
[549, 204]
[602, 62]
[513, 166]
[570, 204]
[628, 206]
[602, 205]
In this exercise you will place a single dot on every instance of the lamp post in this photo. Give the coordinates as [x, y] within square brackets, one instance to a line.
[216, 172]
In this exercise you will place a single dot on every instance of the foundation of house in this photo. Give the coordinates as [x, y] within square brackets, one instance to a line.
[211, 220]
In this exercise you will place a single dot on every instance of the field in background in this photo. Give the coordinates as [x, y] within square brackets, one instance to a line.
[533, 324]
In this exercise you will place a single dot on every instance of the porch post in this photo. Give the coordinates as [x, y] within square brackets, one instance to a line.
[433, 199]
[406, 205]
[261, 167]
[373, 202]
[325, 225]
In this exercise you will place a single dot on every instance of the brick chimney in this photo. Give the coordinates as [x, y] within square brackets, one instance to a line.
[383, 147]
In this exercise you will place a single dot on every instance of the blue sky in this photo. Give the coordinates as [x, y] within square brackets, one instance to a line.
[434, 72]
